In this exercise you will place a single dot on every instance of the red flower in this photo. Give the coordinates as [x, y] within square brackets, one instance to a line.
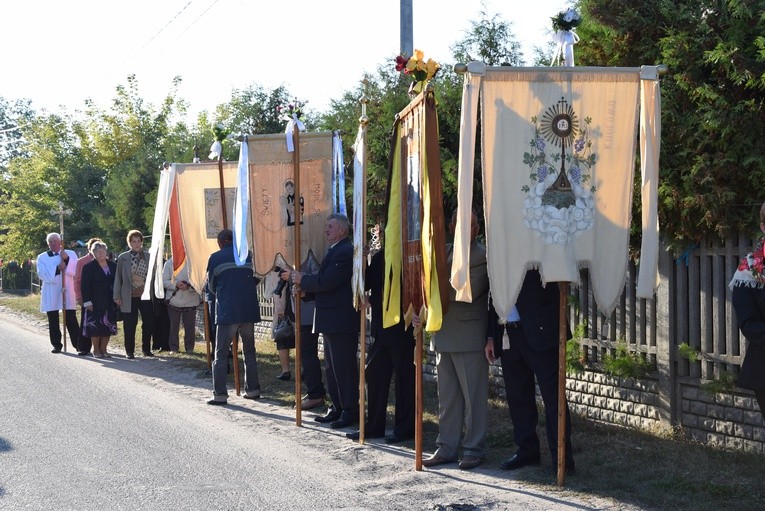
[401, 64]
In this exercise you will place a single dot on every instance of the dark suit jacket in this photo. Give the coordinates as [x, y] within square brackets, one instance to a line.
[749, 304]
[539, 308]
[395, 335]
[98, 287]
[333, 294]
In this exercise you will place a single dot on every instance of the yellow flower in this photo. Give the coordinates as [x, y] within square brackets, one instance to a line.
[432, 67]
[418, 55]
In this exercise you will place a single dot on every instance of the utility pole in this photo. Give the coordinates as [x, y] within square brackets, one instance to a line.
[61, 212]
[407, 28]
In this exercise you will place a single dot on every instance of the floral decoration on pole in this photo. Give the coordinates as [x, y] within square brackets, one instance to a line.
[292, 113]
[420, 70]
[219, 134]
[564, 24]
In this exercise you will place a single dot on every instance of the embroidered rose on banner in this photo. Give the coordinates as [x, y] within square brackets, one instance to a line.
[559, 204]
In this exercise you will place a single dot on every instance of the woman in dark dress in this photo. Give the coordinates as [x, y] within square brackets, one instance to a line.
[100, 317]
[748, 286]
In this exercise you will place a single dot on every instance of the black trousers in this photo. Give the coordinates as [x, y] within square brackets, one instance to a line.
[520, 364]
[310, 364]
[342, 370]
[130, 323]
[383, 359]
[85, 344]
[54, 329]
[161, 327]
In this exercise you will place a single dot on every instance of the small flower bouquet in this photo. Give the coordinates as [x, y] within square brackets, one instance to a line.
[291, 110]
[220, 133]
[566, 20]
[417, 68]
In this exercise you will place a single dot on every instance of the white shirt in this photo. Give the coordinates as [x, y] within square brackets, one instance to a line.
[50, 294]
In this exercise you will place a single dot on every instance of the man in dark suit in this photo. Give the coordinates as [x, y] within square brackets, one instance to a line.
[337, 320]
[237, 311]
[532, 328]
[392, 350]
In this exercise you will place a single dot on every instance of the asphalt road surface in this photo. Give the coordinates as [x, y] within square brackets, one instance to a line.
[78, 433]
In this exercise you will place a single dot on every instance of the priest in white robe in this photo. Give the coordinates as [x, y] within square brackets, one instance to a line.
[51, 265]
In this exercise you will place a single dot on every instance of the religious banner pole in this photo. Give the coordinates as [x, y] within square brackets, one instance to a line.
[361, 295]
[220, 135]
[61, 212]
[562, 405]
[297, 256]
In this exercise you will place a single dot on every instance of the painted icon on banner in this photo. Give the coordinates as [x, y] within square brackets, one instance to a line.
[413, 198]
[213, 214]
[287, 200]
[560, 203]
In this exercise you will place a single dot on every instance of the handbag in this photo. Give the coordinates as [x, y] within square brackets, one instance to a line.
[284, 329]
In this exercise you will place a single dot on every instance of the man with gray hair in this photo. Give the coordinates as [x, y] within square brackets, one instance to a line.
[337, 320]
[56, 268]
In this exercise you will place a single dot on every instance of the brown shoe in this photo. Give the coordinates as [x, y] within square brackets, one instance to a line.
[468, 462]
[309, 404]
[434, 460]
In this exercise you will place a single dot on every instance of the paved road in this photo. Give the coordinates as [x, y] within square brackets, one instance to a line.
[84, 434]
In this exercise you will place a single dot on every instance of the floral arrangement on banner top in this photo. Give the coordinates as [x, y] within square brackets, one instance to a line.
[291, 111]
[566, 20]
[417, 68]
[220, 133]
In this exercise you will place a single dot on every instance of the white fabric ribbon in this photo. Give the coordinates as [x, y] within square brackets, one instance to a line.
[338, 175]
[289, 129]
[359, 220]
[158, 230]
[565, 41]
[241, 206]
[216, 149]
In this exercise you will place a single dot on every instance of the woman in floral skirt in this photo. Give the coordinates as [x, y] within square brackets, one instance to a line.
[100, 316]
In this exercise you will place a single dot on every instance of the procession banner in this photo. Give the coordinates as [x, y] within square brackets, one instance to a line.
[558, 155]
[415, 252]
[274, 209]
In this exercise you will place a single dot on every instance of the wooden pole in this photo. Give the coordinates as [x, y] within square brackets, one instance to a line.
[363, 121]
[222, 190]
[418, 402]
[207, 333]
[297, 255]
[562, 336]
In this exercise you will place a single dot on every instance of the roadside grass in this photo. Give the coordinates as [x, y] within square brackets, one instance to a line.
[651, 471]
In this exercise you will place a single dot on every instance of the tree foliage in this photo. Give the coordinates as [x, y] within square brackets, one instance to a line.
[712, 159]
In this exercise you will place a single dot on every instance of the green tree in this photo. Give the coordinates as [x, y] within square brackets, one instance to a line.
[489, 40]
[712, 158]
[130, 142]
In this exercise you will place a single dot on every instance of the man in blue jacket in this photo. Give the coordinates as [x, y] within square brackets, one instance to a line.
[337, 320]
[237, 310]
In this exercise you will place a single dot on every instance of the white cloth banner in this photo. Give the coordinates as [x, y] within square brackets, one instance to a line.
[158, 230]
[650, 136]
[558, 164]
[359, 222]
[242, 206]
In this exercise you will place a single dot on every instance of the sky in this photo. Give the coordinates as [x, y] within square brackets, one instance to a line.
[58, 54]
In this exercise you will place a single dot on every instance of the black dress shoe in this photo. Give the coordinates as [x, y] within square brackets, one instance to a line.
[518, 461]
[330, 417]
[82, 353]
[130, 355]
[56, 350]
[395, 439]
[148, 354]
[357, 434]
[214, 402]
[341, 423]
[285, 376]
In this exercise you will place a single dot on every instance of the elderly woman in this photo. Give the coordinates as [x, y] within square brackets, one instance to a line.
[182, 301]
[748, 286]
[99, 310]
[132, 268]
